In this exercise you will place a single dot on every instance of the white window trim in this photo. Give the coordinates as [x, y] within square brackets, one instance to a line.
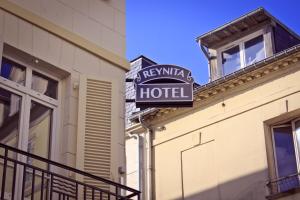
[241, 43]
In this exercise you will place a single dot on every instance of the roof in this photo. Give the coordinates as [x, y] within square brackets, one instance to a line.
[143, 57]
[252, 72]
[240, 25]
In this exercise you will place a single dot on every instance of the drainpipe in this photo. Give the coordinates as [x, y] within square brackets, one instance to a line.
[148, 159]
[206, 53]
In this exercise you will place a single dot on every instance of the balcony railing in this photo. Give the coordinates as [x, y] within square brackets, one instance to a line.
[283, 186]
[27, 176]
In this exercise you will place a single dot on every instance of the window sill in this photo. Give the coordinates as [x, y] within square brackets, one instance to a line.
[284, 194]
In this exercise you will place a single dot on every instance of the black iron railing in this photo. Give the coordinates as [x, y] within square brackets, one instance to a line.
[27, 176]
[283, 185]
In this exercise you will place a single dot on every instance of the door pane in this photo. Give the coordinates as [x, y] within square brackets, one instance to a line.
[10, 105]
[10, 108]
[254, 50]
[38, 144]
[39, 132]
[231, 60]
[285, 157]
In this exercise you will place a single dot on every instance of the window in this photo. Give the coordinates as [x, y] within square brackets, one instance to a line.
[38, 98]
[286, 143]
[13, 71]
[28, 105]
[243, 53]
[44, 85]
[254, 50]
[231, 60]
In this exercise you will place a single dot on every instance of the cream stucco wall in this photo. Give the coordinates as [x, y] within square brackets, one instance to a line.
[102, 23]
[219, 152]
[132, 164]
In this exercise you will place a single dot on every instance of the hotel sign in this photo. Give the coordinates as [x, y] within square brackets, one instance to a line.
[164, 86]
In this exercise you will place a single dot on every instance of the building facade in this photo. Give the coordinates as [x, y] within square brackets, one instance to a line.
[62, 87]
[134, 144]
[240, 140]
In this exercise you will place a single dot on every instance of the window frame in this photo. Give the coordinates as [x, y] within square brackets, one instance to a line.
[28, 95]
[296, 144]
[241, 43]
[295, 141]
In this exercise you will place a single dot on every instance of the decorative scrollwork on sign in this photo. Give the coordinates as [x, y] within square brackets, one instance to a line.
[164, 86]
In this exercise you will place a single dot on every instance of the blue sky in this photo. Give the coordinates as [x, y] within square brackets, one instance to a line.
[165, 30]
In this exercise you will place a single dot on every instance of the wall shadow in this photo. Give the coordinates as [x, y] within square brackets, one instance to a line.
[249, 187]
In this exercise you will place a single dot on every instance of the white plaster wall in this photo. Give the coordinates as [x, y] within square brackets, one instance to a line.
[132, 163]
[100, 21]
[230, 159]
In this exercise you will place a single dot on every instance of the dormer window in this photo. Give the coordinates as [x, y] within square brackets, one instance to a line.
[245, 41]
[242, 53]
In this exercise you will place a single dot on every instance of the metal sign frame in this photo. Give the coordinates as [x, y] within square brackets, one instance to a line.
[164, 86]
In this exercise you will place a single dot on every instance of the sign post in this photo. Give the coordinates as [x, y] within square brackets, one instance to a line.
[164, 86]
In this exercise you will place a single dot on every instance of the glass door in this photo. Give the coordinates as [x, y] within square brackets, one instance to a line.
[39, 131]
[38, 143]
[10, 116]
[15, 127]
[10, 126]
[28, 102]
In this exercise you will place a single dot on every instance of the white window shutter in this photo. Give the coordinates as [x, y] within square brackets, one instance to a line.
[94, 129]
